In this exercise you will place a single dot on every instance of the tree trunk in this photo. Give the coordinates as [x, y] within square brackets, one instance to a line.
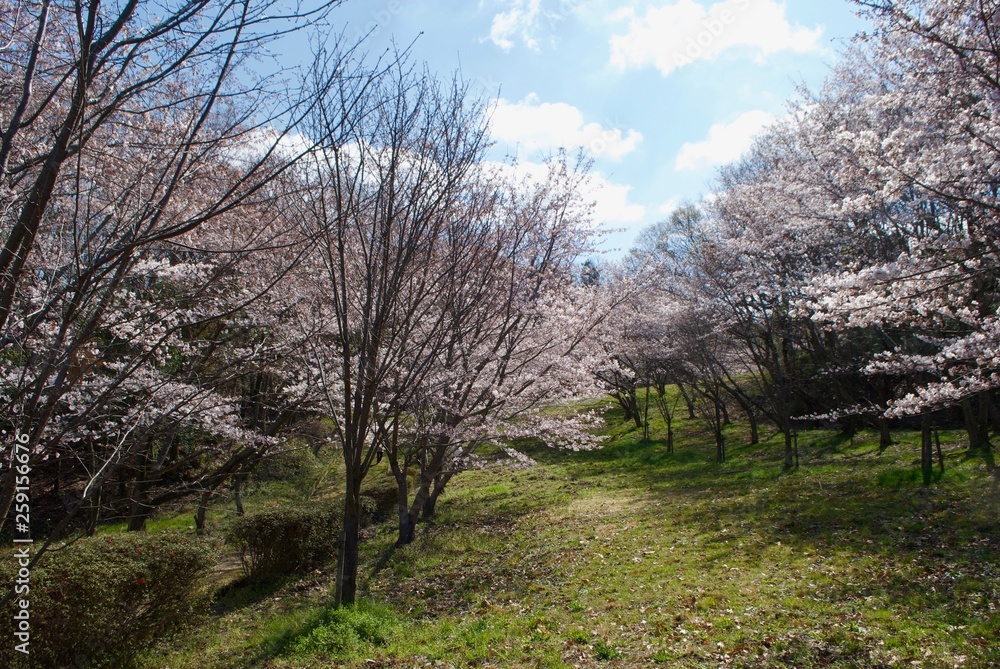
[940, 454]
[975, 427]
[720, 439]
[430, 504]
[688, 402]
[238, 492]
[407, 519]
[884, 434]
[407, 527]
[7, 495]
[754, 427]
[199, 516]
[789, 462]
[645, 417]
[137, 515]
[347, 556]
[926, 450]
[93, 513]
[884, 395]
[630, 405]
[139, 509]
[994, 410]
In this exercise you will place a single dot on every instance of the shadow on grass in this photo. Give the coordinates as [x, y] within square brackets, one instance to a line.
[924, 548]
[879, 485]
[245, 592]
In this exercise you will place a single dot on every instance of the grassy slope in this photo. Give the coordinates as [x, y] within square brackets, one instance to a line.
[630, 557]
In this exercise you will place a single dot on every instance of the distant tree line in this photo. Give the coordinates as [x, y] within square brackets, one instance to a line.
[845, 270]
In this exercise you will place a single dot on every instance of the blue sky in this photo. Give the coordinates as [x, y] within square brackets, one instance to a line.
[660, 92]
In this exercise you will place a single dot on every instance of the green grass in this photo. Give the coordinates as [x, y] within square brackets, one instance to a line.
[630, 557]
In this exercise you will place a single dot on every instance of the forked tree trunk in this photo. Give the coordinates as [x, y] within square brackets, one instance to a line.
[429, 486]
[430, 504]
[630, 406]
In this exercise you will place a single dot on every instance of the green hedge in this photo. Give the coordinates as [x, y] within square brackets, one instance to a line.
[274, 542]
[102, 601]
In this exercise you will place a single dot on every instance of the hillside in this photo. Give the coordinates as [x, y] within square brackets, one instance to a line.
[629, 557]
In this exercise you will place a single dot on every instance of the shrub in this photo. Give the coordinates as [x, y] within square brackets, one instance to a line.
[292, 465]
[345, 631]
[102, 601]
[378, 499]
[279, 541]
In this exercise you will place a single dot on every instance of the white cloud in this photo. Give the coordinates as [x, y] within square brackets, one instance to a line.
[612, 205]
[522, 21]
[682, 32]
[669, 206]
[611, 200]
[549, 125]
[726, 141]
[517, 22]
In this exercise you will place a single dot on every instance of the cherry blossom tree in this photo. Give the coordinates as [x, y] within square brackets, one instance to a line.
[851, 253]
[920, 128]
[385, 184]
[136, 149]
[516, 334]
